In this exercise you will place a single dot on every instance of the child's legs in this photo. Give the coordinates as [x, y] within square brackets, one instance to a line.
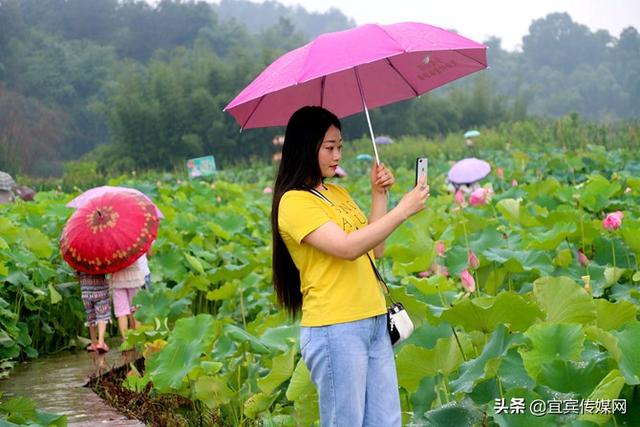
[92, 334]
[131, 293]
[123, 307]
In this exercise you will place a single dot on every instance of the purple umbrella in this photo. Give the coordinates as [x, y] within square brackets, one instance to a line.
[468, 171]
[383, 140]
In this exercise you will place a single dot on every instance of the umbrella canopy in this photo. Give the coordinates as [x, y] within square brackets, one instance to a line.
[109, 232]
[383, 140]
[468, 171]
[364, 156]
[350, 71]
[471, 133]
[6, 181]
[83, 198]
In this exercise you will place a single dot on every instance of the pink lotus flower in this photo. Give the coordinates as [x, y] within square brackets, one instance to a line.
[467, 281]
[441, 248]
[500, 173]
[267, 190]
[480, 196]
[459, 198]
[425, 273]
[473, 260]
[613, 221]
[514, 183]
[582, 258]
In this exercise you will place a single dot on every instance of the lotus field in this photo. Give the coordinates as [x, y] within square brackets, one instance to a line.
[525, 297]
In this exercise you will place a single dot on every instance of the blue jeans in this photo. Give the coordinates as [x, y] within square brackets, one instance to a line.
[353, 367]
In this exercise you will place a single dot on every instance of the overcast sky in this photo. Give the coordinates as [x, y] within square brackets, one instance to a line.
[479, 19]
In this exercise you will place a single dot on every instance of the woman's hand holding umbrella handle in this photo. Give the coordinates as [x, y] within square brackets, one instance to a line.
[415, 200]
[381, 178]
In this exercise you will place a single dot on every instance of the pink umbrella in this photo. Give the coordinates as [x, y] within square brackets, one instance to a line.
[83, 198]
[353, 70]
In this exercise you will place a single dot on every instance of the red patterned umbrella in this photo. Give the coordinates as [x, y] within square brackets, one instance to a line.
[109, 232]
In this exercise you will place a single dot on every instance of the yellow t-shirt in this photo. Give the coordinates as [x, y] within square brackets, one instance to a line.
[334, 290]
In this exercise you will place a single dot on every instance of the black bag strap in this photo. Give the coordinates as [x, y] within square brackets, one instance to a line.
[381, 281]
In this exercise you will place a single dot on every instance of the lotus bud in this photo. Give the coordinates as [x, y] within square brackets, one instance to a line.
[473, 260]
[459, 198]
[500, 173]
[514, 183]
[468, 283]
[441, 248]
[582, 258]
[424, 274]
[267, 190]
[627, 190]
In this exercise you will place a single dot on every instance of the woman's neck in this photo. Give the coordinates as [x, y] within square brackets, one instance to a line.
[320, 187]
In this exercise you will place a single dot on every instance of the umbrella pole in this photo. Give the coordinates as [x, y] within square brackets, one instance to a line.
[366, 112]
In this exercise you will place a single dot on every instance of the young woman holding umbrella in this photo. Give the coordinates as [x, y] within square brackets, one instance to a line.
[322, 245]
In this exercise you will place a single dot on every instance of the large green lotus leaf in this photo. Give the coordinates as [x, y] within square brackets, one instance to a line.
[630, 232]
[487, 312]
[257, 404]
[551, 342]
[8, 231]
[3, 243]
[612, 275]
[613, 315]
[169, 264]
[417, 309]
[473, 371]
[452, 415]
[223, 292]
[231, 271]
[19, 410]
[239, 335]
[550, 239]
[510, 209]
[629, 344]
[281, 370]
[563, 300]
[595, 195]
[422, 400]
[213, 390]
[605, 339]
[608, 389]
[195, 263]
[568, 376]
[264, 321]
[517, 261]
[491, 278]
[300, 383]
[281, 337]
[415, 362]
[411, 249]
[512, 373]
[37, 242]
[430, 286]
[191, 337]
[160, 303]
[49, 419]
[508, 415]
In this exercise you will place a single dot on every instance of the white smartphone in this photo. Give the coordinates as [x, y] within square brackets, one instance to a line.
[421, 168]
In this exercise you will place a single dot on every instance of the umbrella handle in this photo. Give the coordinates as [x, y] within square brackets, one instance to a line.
[366, 113]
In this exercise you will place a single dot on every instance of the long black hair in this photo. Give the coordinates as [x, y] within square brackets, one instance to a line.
[299, 169]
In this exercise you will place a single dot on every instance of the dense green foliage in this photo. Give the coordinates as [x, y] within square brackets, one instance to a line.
[146, 84]
[540, 323]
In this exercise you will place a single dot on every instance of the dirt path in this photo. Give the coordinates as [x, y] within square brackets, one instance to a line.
[56, 384]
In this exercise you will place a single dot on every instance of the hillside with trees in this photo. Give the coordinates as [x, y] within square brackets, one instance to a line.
[129, 85]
